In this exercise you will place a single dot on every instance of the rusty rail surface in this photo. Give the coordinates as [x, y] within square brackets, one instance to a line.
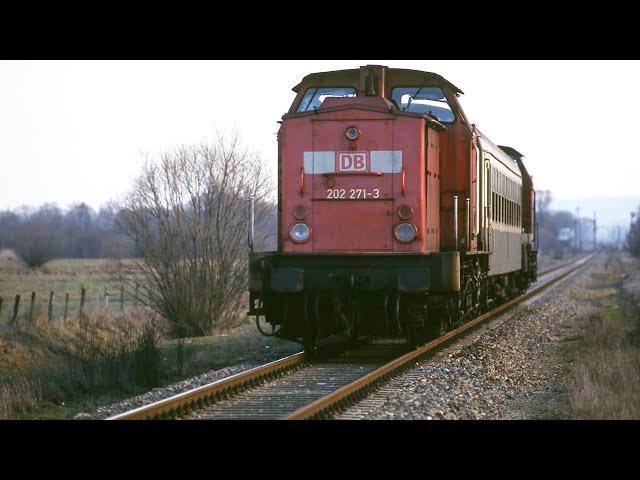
[326, 406]
[173, 406]
[190, 400]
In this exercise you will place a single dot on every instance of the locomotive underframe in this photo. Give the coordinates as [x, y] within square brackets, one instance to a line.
[307, 297]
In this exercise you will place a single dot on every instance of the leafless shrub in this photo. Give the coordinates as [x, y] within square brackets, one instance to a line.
[37, 243]
[187, 217]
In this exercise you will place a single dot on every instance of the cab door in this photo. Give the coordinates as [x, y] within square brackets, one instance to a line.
[352, 197]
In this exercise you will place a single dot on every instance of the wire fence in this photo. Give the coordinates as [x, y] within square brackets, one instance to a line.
[62, 306]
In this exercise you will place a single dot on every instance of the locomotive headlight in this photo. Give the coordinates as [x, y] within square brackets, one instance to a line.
[405, 232]
[352, 133]
[300, 233]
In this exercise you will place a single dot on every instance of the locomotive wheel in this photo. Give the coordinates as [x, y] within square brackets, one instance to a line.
[439, 324]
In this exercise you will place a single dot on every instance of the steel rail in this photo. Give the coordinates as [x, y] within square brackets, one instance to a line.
[181, 403]
[336, 399]
[199, 397]
[562, 265]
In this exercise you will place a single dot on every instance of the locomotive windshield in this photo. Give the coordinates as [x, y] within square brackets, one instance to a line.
[429, 100]
[314, 97]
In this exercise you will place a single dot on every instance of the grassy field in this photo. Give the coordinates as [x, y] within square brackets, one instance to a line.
[97, 276]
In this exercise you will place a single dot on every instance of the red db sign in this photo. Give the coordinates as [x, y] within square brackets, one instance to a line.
[352, 162]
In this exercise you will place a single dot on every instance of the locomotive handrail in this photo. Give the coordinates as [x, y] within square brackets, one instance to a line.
[455, 221]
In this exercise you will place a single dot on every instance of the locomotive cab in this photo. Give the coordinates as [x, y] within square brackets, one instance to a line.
[378, 210]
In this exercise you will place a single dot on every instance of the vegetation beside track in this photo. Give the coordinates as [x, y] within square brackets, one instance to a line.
[56, 369]
[59, 370]
[605, 374]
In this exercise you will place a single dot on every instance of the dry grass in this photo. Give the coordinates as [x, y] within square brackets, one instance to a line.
[605, 381]
[44, 365]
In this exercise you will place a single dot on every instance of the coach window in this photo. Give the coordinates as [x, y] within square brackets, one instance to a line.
[314, 97]
[494, 206]
[427, 100]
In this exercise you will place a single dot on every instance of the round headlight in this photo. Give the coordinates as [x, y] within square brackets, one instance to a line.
[299, 233]
[405, 212]
[405, 232]
[352, 133]
[299, 212]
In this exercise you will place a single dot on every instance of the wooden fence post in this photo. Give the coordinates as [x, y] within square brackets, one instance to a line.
[66, 306]
[16, 306]
[50, 310]
[121, 297]
[83, 292]
[33, 301]
[106, 298]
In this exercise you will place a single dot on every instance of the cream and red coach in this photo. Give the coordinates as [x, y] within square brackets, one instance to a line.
[396, 216]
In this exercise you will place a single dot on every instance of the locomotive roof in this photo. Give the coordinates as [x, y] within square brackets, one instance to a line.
[353, 75]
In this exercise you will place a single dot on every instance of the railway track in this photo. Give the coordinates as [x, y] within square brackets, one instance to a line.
[293, 389]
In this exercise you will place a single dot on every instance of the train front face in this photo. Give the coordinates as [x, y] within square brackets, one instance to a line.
[358, 217]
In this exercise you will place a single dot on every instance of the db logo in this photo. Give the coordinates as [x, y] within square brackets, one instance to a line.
[352, 162]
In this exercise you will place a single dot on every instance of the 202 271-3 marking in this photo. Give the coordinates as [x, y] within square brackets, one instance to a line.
[352, 193]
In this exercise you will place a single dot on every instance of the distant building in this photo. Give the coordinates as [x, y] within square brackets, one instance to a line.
[565, 236]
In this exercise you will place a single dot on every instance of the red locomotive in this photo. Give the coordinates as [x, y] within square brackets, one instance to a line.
[396, 216]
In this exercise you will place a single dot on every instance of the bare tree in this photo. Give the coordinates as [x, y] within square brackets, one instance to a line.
[187, 217]
[37, 242]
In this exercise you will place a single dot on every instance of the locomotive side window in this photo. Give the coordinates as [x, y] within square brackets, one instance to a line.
[314, 97]
[425, 100]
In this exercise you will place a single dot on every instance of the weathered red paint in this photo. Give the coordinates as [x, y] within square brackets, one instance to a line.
[358, 224]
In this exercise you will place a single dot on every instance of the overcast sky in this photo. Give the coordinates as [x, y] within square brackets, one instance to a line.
[76, 130]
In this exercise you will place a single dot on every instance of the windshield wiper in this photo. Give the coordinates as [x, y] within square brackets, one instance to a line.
[414, 96]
